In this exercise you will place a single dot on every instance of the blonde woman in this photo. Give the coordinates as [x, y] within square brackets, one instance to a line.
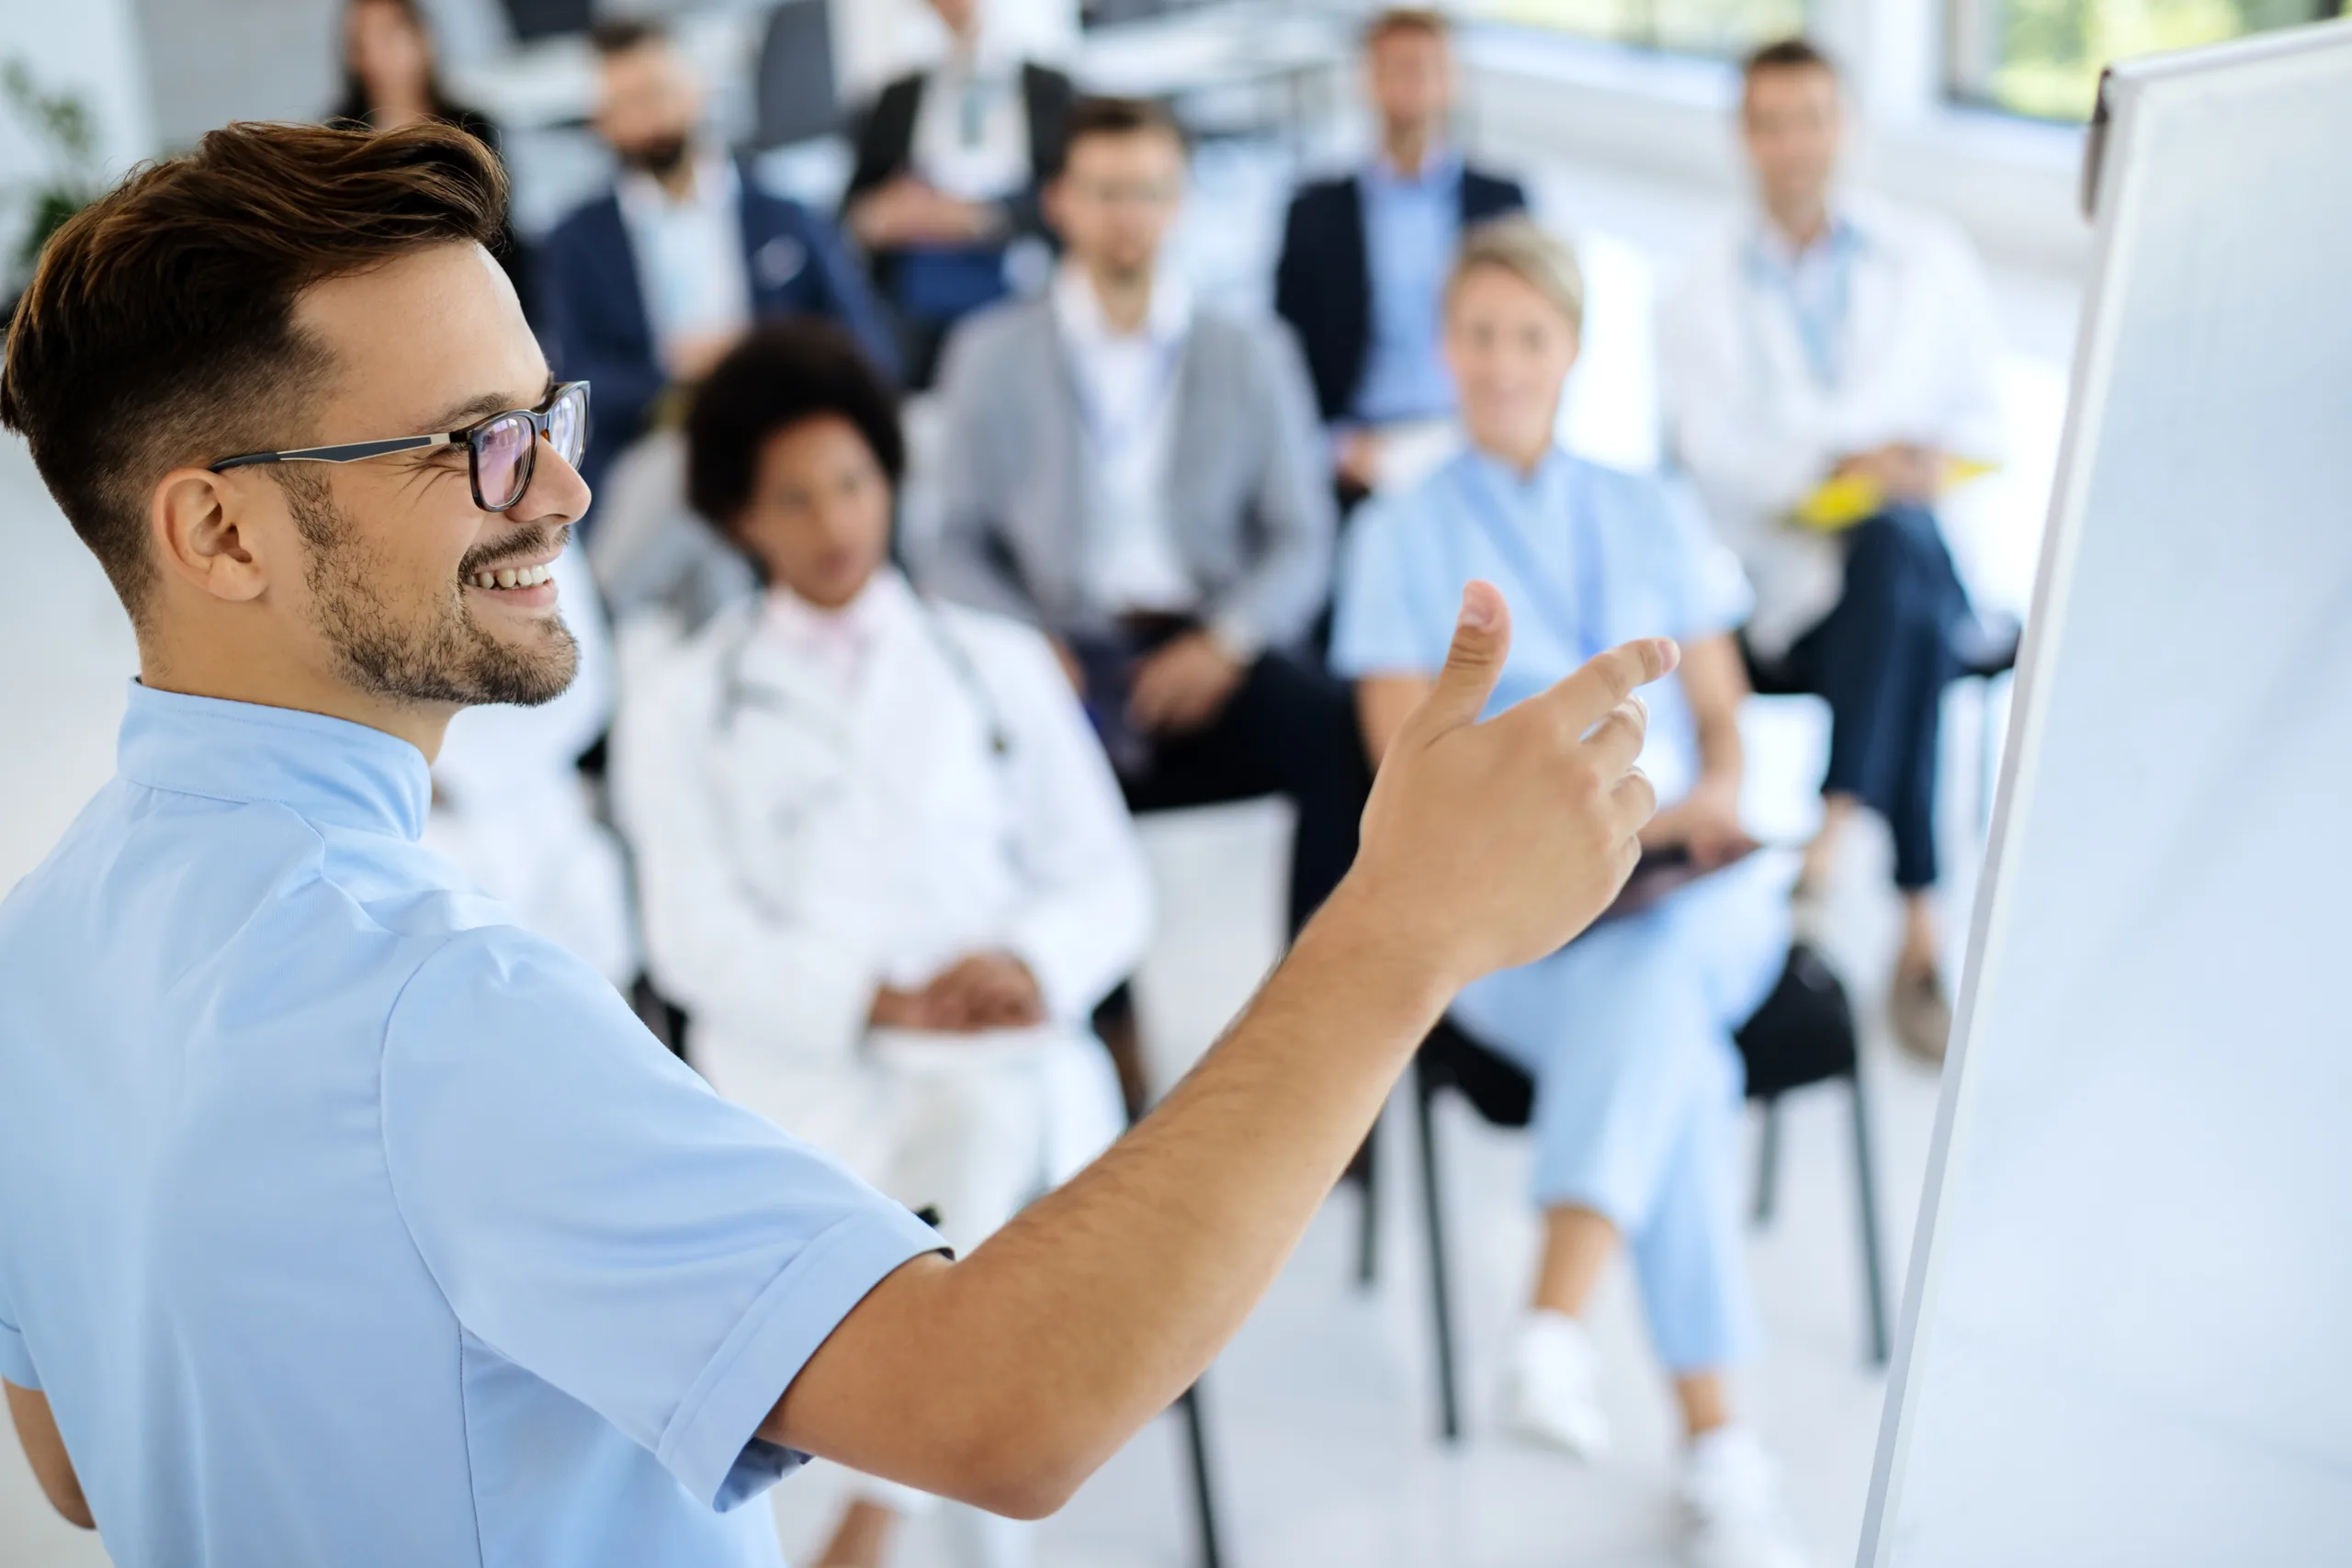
[1628, 1030]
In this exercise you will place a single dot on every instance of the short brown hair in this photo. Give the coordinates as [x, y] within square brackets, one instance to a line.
[1397, 19]
[158, 327]
[1786, 54]
[1116, 117]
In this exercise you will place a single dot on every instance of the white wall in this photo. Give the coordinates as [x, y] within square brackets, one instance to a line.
[215, 61]
[92, 47]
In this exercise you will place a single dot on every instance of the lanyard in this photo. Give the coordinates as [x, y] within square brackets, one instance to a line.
[1115, 439]
[1574, 621]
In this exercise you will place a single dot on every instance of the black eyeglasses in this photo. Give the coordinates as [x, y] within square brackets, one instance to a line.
[501, 451]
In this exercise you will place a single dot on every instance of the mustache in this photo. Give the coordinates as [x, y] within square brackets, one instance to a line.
[529, 544]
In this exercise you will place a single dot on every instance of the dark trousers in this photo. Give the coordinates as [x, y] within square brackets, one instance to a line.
[1290, 729]
[1882, 659]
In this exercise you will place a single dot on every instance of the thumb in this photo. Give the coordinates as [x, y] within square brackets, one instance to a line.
[1481, 639]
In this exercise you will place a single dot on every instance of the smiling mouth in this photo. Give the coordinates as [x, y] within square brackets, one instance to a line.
[510, 577]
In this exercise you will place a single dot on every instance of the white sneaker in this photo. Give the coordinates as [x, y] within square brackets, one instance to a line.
[1730, 1501]
[1552, 1392]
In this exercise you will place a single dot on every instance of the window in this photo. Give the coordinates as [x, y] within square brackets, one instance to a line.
[1688, 27]
[2043, 57]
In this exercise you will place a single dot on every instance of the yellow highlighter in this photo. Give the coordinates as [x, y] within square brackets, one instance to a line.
[1844, 499]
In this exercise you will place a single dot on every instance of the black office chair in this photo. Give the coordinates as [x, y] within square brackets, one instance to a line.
[1987, 647]
[1804, 1034]
[1114, 1021]
[795, 94]
[532, 20]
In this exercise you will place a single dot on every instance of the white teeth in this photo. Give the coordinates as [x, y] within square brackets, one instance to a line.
[512, 577]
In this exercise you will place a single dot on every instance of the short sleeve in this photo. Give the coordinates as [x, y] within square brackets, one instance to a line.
[16, 1361]
[594, 1214]
[1713, 593]
[1381, 620]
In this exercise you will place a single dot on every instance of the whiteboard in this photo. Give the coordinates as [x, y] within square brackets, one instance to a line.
[2127, 1335]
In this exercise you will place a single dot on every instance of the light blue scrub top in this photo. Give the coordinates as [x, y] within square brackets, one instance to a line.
[1586, 557]
[1410, 230]
[345, 1222]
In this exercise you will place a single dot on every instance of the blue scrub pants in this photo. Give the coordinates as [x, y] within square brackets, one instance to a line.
[1638, 1087]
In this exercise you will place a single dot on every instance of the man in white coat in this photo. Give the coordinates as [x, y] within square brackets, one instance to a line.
[1829, 337]
[888, 810]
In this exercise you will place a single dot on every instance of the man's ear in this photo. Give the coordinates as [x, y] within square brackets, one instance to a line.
[203, 525]
[1051, 201]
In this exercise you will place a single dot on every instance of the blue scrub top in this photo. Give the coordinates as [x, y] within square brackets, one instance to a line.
[1586, 557]
[343, 1220]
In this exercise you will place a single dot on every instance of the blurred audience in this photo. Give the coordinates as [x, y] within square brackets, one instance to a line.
[1627, 1031]
[649, 285]
[1828, 338]
[1364, 257]
[1141, 478]
[951, 165]
[512, 810]
[390, 80]
[884, 867]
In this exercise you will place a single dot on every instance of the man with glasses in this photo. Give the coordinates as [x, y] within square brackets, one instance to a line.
[1141, 477]
[342, 1221]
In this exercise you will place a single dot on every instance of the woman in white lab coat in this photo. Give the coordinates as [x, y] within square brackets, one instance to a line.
[884, 866]
[1834, 337]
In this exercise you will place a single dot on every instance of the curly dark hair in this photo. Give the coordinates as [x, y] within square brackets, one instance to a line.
[783, 373]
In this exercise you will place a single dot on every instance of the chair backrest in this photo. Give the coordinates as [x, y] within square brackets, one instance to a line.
[797, 94]
[1805, 1031]
[1497, 1087]
[548, 18]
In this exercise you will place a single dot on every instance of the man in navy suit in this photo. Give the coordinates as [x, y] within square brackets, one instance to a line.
[650, 284]
[1365, 257]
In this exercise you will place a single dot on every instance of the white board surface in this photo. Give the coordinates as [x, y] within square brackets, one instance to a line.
[2128, 1337]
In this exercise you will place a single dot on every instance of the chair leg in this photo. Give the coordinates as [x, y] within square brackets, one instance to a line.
[1768, 1163]
[1203, 1497]
[1988, 764]
[1441, 1300]
[1866, 1200]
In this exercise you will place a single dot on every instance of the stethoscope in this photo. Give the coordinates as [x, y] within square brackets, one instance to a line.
[738, 692]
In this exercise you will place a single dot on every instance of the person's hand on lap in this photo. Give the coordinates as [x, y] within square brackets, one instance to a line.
[1183, 684]
[986, 991]
[1705, 822]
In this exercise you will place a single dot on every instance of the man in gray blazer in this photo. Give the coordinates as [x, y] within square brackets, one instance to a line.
[1144, 479]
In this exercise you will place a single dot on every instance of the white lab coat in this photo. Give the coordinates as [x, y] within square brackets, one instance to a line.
[1757, 431]
[800, 843]
[511, 809]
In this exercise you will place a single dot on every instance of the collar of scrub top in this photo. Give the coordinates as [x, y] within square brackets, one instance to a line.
[327, 770]
[1770, 262]
[783, 618]
[1167, 327]
[1496, 498]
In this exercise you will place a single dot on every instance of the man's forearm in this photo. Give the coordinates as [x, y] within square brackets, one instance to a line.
[1102, 1302]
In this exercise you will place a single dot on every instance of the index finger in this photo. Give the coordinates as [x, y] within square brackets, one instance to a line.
[1587, 697]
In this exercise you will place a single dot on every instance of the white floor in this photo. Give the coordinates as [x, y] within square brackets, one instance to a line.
[1322, 1414]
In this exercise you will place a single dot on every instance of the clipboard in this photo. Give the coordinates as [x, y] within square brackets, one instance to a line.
[1844, 499]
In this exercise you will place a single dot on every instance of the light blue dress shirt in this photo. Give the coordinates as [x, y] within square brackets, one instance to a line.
[345, 1222]
[1586, 557]
[1411, 229]
[1817, 285]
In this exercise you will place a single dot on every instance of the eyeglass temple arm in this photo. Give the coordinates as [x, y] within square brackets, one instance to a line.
[354, 452]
